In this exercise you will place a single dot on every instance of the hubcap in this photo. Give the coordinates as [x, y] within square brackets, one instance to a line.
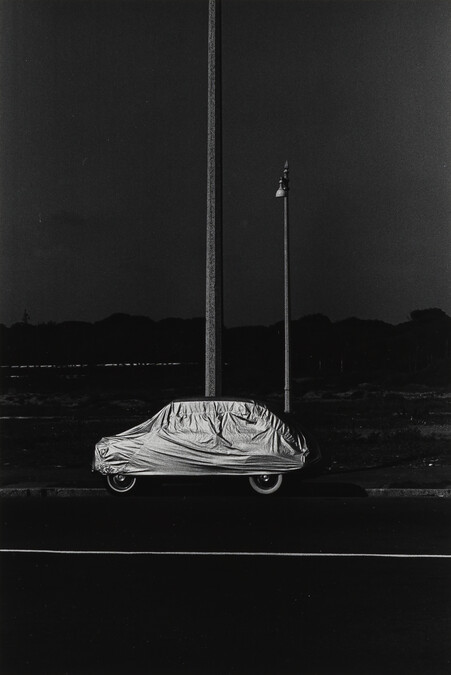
[267, 479]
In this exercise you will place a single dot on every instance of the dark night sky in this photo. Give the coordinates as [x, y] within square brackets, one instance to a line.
[103, 171]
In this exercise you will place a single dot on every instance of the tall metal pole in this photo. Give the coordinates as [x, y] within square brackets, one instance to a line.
[214, 310]
[283, 192]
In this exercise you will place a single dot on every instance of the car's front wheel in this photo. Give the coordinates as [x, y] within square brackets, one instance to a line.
[266, 483]
[120, 483]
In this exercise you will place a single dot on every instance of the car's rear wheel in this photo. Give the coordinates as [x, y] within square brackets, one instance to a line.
[267, 483]
[120, 483]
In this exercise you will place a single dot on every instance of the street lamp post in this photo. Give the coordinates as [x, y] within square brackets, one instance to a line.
[283, 193]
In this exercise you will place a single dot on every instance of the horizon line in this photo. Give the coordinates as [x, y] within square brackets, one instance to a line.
[126, 315]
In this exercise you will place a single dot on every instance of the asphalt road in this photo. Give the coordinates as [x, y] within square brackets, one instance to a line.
[186, 582]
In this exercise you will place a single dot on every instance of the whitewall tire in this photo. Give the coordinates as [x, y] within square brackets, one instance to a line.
[120, 483]
[266, 484]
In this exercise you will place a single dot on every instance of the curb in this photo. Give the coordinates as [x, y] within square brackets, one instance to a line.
[102, 492]
[408, 492]
[52, 492]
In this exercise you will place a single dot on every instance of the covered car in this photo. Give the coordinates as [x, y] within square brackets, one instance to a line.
[207, 436]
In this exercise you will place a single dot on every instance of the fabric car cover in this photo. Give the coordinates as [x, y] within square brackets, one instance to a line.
[204, 437]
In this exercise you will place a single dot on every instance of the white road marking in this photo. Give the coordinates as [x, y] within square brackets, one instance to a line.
[286, 554]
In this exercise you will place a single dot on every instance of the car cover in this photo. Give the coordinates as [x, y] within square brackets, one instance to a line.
[204, 437]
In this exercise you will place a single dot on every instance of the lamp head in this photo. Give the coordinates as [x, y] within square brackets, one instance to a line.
[281, 192]
[283, 183]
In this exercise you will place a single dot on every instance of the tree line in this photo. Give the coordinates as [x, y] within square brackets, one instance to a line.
[319, 347]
